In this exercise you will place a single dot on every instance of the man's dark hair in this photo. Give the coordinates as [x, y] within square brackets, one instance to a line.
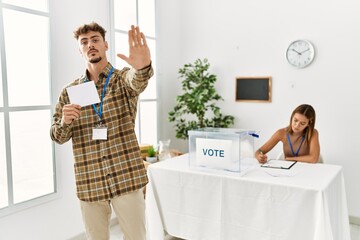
[91, 27]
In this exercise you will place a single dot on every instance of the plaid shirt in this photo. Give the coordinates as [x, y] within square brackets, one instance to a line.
[106, 168]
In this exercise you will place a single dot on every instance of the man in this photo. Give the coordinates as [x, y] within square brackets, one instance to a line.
[109, 170]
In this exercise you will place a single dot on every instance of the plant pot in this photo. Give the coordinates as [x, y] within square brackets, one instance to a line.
[151, 159]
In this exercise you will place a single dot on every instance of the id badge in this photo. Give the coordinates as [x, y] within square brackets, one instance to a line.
[99, 132]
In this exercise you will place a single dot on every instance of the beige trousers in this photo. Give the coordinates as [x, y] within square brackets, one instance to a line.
[129, 210]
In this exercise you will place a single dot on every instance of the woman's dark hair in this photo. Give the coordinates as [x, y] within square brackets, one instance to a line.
[309, 112]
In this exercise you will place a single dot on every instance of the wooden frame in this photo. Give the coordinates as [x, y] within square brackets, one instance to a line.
[253, 89]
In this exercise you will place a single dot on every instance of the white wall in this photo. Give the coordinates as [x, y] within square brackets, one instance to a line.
[240, 38]
[249, 38]
[61, 218]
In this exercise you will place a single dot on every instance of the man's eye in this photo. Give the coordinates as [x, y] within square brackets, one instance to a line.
[95, 40]
[83, 43]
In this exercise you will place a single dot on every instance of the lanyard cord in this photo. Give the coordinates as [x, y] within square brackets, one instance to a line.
[99, 112]
[291, 146]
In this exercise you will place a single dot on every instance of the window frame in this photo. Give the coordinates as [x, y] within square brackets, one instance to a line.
[113, 31]
[6, 110]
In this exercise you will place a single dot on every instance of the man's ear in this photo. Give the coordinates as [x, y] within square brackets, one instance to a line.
[106, 45]
[80, 52]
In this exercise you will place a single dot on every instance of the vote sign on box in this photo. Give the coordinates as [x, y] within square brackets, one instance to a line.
[215, 153]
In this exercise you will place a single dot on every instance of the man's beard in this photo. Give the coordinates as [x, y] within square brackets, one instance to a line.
[95, 60]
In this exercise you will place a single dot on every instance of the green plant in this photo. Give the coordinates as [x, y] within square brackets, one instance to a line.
[151, 152]
[197, 108]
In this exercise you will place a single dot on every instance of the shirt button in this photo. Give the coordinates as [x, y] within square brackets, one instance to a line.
[108, 175]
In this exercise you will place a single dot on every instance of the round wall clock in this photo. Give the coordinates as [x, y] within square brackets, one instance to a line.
[300, 53]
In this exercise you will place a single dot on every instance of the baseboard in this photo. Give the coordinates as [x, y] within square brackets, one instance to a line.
[82, 236]
[354, 220]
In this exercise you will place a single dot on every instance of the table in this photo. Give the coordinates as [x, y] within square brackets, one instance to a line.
[307, 202]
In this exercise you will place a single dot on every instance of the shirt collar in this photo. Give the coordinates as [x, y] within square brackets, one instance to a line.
[103, 74]
[106, 71]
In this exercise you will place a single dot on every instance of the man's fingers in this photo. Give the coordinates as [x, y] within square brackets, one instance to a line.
[123, 57]
[72, 106]
[71, 111]
[75, 106]
[143, 39]
[136, 37]
[139, 53]
[133, 40]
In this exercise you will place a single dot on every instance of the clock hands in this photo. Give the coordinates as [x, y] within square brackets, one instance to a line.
[295, 51]
[299, 53]
[305, 50]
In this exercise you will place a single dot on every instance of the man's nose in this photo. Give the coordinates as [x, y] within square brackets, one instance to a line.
[90, 45]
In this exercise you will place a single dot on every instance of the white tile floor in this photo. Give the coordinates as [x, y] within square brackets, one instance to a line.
[116, 233]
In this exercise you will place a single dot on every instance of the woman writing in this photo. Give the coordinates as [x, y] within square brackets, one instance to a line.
[300, 139]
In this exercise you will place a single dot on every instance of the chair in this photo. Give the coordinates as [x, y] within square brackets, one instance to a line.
[281, 156]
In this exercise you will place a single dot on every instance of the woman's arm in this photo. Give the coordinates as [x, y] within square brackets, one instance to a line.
[260, 154]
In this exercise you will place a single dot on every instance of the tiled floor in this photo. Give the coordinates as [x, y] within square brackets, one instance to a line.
[116, 233]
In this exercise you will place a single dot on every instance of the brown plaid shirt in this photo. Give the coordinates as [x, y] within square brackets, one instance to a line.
[106, 168]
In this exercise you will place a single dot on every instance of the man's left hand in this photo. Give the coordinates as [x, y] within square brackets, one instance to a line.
[139, 53]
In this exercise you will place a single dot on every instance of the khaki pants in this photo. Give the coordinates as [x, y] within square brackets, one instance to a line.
[129, 210]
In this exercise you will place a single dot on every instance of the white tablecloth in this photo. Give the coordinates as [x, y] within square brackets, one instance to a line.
[307, 202]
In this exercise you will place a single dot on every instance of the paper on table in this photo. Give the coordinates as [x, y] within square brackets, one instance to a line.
[83, 94]
[275, 172]
[282, 164]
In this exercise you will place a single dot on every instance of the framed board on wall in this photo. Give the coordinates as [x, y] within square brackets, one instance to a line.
[253, 89]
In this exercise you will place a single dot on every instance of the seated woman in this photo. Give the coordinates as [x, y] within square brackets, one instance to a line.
[300, 139]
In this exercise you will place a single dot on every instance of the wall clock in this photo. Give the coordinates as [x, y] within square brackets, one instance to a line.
[300, 53]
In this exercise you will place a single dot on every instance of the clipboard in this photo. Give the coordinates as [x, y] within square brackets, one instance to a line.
[279, 164]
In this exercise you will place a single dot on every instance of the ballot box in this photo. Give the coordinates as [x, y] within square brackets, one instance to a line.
[220, 148]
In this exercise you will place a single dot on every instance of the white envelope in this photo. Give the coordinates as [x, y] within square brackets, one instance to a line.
[83, 94]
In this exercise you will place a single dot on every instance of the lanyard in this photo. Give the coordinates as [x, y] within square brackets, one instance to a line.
[99, 112]
[291, 147]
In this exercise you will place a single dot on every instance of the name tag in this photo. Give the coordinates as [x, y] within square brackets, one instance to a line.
[99, 133]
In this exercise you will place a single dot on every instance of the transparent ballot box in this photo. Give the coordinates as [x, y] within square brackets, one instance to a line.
[220, 148]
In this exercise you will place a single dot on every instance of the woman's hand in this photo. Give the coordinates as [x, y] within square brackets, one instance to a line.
[261, 157]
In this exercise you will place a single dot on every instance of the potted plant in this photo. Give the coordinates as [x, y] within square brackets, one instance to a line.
[197, 108]
[151, 157]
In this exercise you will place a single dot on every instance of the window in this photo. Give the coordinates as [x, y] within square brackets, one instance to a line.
[141, 13]
[26, 151]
